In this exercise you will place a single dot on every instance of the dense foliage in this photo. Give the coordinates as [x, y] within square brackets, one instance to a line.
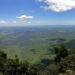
[14, 66]
[65, 60]
[62, 64]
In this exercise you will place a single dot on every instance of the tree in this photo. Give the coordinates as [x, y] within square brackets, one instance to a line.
[61, 52]
[3, 58]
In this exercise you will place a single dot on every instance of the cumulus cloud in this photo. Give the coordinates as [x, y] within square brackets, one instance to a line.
[21, 22]
[29, 22]
[2, 22]
[25, 17]
[58, 5]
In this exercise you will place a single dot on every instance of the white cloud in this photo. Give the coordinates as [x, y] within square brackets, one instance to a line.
[14, 22]
[18, 22]
[29, 22]
[2, 22]
[58, 5]
[21, 22]
[25, 17]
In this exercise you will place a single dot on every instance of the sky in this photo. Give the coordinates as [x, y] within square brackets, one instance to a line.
[37, 12]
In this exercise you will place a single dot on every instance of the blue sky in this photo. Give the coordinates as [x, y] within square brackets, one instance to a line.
[35, 12]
